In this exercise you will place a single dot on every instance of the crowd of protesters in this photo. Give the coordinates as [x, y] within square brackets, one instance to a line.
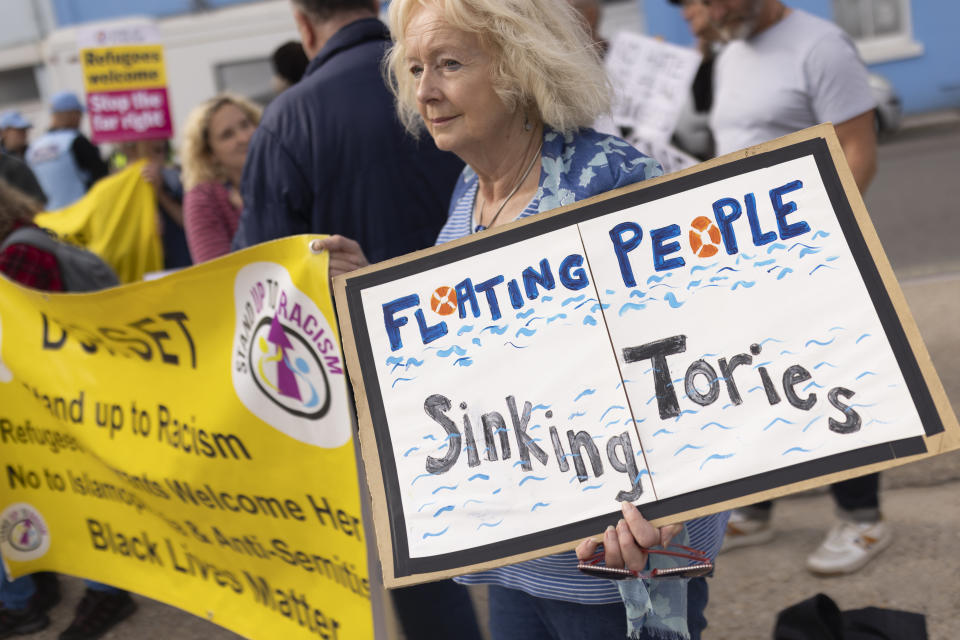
[394, 137]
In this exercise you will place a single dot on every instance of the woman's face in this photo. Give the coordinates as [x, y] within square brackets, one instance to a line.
[452, 76]
[230, 133]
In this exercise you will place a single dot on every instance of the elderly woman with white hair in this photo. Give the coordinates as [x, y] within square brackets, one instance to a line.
[512, 88]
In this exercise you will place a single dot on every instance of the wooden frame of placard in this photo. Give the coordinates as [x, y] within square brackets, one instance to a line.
[942, 432]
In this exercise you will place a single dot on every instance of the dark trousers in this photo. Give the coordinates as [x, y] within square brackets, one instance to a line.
[436, 610]
[857, 498]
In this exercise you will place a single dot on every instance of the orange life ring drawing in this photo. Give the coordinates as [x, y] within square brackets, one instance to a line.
[704, 246]
[443, 301]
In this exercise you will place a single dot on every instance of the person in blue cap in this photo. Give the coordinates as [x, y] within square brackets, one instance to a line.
[13, 133]
[65, 162]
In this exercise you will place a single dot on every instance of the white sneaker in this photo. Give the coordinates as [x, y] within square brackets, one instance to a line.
[849, 546]
[745, 532]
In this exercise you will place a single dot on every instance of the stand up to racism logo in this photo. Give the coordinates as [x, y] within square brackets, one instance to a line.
[286, 365]
[23, 533]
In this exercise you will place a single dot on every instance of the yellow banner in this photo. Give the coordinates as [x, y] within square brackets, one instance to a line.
[123, 67]
[117, 220]
[189, 439]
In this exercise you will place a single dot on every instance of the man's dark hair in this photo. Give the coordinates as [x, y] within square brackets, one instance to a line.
[289, 61]
[323, 9]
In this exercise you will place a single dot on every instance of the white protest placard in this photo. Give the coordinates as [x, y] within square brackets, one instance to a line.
[694, 343]
[651, 81]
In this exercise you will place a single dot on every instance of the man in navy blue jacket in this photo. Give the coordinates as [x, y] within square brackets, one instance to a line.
[330, 155]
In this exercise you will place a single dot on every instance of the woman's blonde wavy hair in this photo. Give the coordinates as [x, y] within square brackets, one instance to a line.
[544, 59]
[199, 165]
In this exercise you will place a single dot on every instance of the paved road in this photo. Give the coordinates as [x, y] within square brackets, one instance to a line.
[913, 205]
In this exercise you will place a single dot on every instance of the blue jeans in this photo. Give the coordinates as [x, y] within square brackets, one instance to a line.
[16, 594]
[515, 615]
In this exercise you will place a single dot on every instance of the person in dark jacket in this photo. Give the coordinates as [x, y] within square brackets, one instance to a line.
[331, 157]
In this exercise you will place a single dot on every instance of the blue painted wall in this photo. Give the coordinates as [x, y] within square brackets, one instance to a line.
[925, 83]
[71, 12]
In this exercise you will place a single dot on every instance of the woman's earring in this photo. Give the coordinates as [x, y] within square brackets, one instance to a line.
[527, 126]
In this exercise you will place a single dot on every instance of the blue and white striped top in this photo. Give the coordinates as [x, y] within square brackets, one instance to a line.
[573, 166]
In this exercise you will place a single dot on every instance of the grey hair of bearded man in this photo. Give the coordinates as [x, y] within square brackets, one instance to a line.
[544, 60]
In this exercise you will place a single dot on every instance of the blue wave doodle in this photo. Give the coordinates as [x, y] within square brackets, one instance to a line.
[715, 456]
[756, 388]
[587, 301]
[463, 362]
[585, 392]
[497, 491]
[837, 328]
[477, 342]
[774, 247]
[422, 475]
[515, 346]
[527, 323]
[524, 314]
[797, 449]
[760, 364]
[412, 362]
[804, 430]
[525, 478]
[526, 332]
[866, 335]
[764, 263]
[636, 293]
[590, 487]
[610, 292]
[784, 272]
[495, 329]
[663, 284]
[578, 414]
[429, 436]
[863, 405]
[449, 507]
[684, 448]
[865, 373]
[472, 500]
[620, 384]
[718, 278]
[589, 320]
[410, 450]
[540, 407]
[539, 504]
[490, 524]
[572, 300]
[824, 364]
[728, 269]
[630, 306]
[878, 421]
[813, 384]
[467, 328]
[825, 266]
[800, 244]
[394, 383]
[667, 431]
[787, 352]
[715, 424]
[642, 473]
[599, 307]
[822, 344]
[672, 299]
[425, 505]
[747, 257]
[581, 478]
[460, 351]
[609, 409]
[434, 535]
[453, 488]
[658, 278]
[766, 340]
[559, 316]
[744, 283]
[693, 283]
[546, 298]
[478, 476]
[820, 234]
[832, 258]
[775, 421]
[394, 360]
[652, 398]
[617, 421]
[684, 412]
[726, 406]
[700, 268]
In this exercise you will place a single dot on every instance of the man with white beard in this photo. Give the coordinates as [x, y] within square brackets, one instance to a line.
[782, 70]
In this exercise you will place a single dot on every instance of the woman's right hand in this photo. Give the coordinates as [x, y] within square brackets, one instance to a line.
[345, 254]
